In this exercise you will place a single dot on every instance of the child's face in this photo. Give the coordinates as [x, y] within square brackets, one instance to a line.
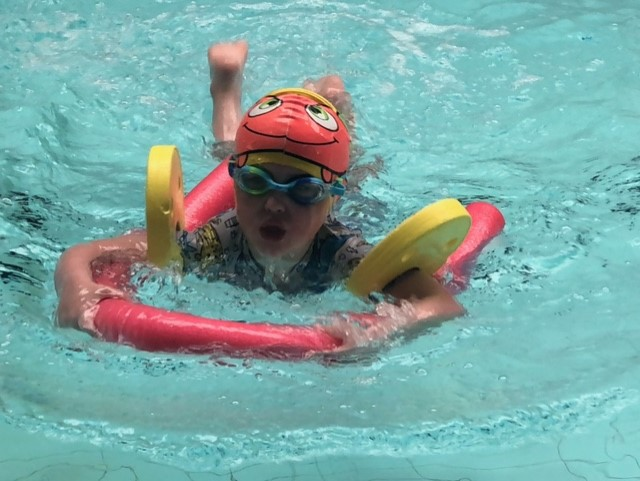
[274, 224]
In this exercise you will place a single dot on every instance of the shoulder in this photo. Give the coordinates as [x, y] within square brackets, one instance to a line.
[211, 240]
[342, 246]
[346, 237]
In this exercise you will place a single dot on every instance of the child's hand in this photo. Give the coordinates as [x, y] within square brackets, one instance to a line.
[79, 304]
[78, 267]
[357, 331]
[349, 333]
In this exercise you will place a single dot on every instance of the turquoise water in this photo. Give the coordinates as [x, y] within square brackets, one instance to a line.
[532, 106]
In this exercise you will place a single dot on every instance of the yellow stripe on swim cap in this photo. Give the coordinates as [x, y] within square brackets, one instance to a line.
[284, 159]
[306, 93]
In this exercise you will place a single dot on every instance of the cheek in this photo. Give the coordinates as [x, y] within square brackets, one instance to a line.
[246, 209]
[310, 220]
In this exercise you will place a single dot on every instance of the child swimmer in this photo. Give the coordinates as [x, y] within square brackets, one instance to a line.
[291, 152]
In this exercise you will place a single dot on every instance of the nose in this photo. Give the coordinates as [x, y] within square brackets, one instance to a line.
[275, 202]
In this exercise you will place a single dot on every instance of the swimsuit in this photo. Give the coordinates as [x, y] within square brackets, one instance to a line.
[219, 250]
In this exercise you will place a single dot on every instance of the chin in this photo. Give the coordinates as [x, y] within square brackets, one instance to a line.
[271, 252]
[266, 248]
[279, 251]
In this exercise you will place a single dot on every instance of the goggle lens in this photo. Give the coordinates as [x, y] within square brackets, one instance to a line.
[305, 190]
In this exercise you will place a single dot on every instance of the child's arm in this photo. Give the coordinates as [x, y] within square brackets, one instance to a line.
[421, 299]
[78, 293]
[429, 300]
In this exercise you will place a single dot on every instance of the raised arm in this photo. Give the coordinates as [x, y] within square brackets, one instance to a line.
[78, 293]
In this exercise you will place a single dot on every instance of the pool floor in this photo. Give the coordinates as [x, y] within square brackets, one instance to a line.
[605, 451]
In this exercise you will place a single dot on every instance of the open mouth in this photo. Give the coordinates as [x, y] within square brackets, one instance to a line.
[272, 233]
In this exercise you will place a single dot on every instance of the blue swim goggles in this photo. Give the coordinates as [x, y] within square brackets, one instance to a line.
[305, 190]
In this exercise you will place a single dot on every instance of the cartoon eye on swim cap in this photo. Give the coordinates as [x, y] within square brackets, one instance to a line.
[301, 124]
[265, 107]
[319, 115]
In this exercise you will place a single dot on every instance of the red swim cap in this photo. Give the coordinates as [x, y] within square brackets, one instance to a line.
[299, 123]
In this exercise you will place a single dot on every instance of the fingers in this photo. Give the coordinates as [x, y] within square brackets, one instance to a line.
[354, 335]
[358, 330]
[80, 308]
[104, 292]
[91, 303]
[87, 318]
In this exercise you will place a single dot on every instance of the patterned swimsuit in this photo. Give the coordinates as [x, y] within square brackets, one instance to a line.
[219, 250]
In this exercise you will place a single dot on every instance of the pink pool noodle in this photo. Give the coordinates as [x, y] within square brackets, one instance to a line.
[154, 329]
[486, 223]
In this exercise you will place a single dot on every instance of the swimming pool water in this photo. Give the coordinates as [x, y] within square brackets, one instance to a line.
[534, 107]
